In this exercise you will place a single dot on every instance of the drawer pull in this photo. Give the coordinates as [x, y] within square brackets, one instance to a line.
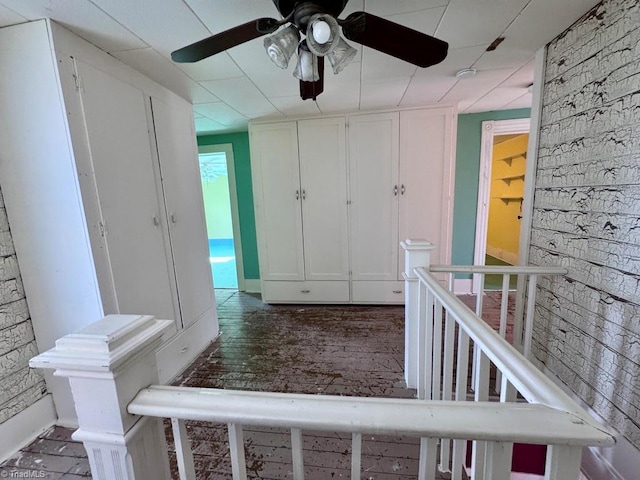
[397, 291]
[305, 291]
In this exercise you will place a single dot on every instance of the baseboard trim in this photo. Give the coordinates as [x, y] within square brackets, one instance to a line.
[620, 461]
[23, 428]
[252, 285]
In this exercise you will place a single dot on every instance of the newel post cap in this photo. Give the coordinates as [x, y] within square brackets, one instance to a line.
[417, 244]
[103, 346]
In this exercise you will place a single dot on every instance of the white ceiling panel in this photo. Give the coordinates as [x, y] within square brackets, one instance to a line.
[9, 17]
[166, 26]
[384, 8]
[242, 83]
[382, 94]
[154, 65]
[84, 18]
[468, 23]
[219, 112]
[243, 95]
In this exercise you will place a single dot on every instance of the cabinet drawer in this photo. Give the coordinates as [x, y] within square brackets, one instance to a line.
[305, 292]
[378, 292]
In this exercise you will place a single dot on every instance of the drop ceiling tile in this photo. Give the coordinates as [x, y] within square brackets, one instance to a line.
[220, 112]
[497, 99]
[205, 125]
[293, 105]
[478, 86]
[385, 7]
[523, 77]
[221, 15]
[241, 94]
[341, 92]
[505, 56]
[383, 94]
[423, 91]
[378, 66]
[217, 67]
[525, 101]
[478, 22]
[164, 71]
[457, 59]
[166, 28]
[82, 17]
[424, 21]
[9, 17]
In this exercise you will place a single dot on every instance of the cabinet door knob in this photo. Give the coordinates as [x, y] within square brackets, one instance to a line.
[401, 189]
[397, 291]
[173, 218]
[395, 190]
[304, 194]
[156, 221]
[305, 291]
[297, 194]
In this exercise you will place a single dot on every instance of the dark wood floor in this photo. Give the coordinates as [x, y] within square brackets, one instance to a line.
[331, 350]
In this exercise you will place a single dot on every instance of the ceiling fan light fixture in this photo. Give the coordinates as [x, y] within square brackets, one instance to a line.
[307, 67]
[323, 34]
[341, 55]
[281, 45]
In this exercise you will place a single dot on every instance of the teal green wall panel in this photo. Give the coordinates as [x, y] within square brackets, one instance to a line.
[465, 204]
[244, 189]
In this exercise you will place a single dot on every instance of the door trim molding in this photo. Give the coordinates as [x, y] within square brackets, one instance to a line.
[490, 129]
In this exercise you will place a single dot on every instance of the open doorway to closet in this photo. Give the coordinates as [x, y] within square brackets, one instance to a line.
[221, 211]
[501, 194]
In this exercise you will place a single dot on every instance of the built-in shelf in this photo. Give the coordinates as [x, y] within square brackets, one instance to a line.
[510, 158]
[507, 199]
[509, 178]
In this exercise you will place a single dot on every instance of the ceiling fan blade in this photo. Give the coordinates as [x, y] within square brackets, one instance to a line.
[224, 40]
[310, 90]
[394, 39]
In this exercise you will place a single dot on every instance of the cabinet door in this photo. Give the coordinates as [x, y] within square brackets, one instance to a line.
[323, 178]
[373, 180]
[182, 188]
[116, 123]
[277, 197]
[426, 179]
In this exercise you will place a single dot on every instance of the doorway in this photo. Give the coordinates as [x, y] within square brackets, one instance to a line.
[221, 212]
[500, 196]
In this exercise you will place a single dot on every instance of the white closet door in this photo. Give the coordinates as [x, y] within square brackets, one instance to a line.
[323, 177]
[182, 187]
[277, 197]
[116, 123]
[426, 179]
[373, 178]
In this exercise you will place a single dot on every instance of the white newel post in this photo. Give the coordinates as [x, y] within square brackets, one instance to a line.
[417, 253]
[108, 363]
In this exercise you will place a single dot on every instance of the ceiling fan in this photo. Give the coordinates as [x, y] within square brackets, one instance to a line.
[318, 21]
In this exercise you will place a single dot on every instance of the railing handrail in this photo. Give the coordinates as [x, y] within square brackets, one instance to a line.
[498, 269]
[490, 421]
[528, 380]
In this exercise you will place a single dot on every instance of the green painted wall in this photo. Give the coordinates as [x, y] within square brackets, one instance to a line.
[465, 200]
[242, 161]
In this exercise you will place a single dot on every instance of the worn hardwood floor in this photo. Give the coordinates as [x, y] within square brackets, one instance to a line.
[331, 350]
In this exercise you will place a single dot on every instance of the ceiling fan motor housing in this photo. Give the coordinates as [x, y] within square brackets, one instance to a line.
[303, 9]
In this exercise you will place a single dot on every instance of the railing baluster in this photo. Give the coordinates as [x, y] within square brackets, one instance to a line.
[236, 451]
[528, 323]
[422, 339]
[481, 394]
[447, 384]
[296, 454]
[498, 461]
[356, 456]
[184, 455]
[518, 317]
[429, 345]
[504, 305]
[563, 462]
[428, 458]
[462, 370]
[436, 377]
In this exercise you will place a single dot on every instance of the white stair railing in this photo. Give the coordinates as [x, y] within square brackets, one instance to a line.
[113, 374]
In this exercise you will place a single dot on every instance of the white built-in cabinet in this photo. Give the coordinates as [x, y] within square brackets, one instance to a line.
[335, 196]
[101, 183]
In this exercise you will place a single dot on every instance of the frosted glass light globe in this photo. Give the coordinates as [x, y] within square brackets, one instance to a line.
[321, 32]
